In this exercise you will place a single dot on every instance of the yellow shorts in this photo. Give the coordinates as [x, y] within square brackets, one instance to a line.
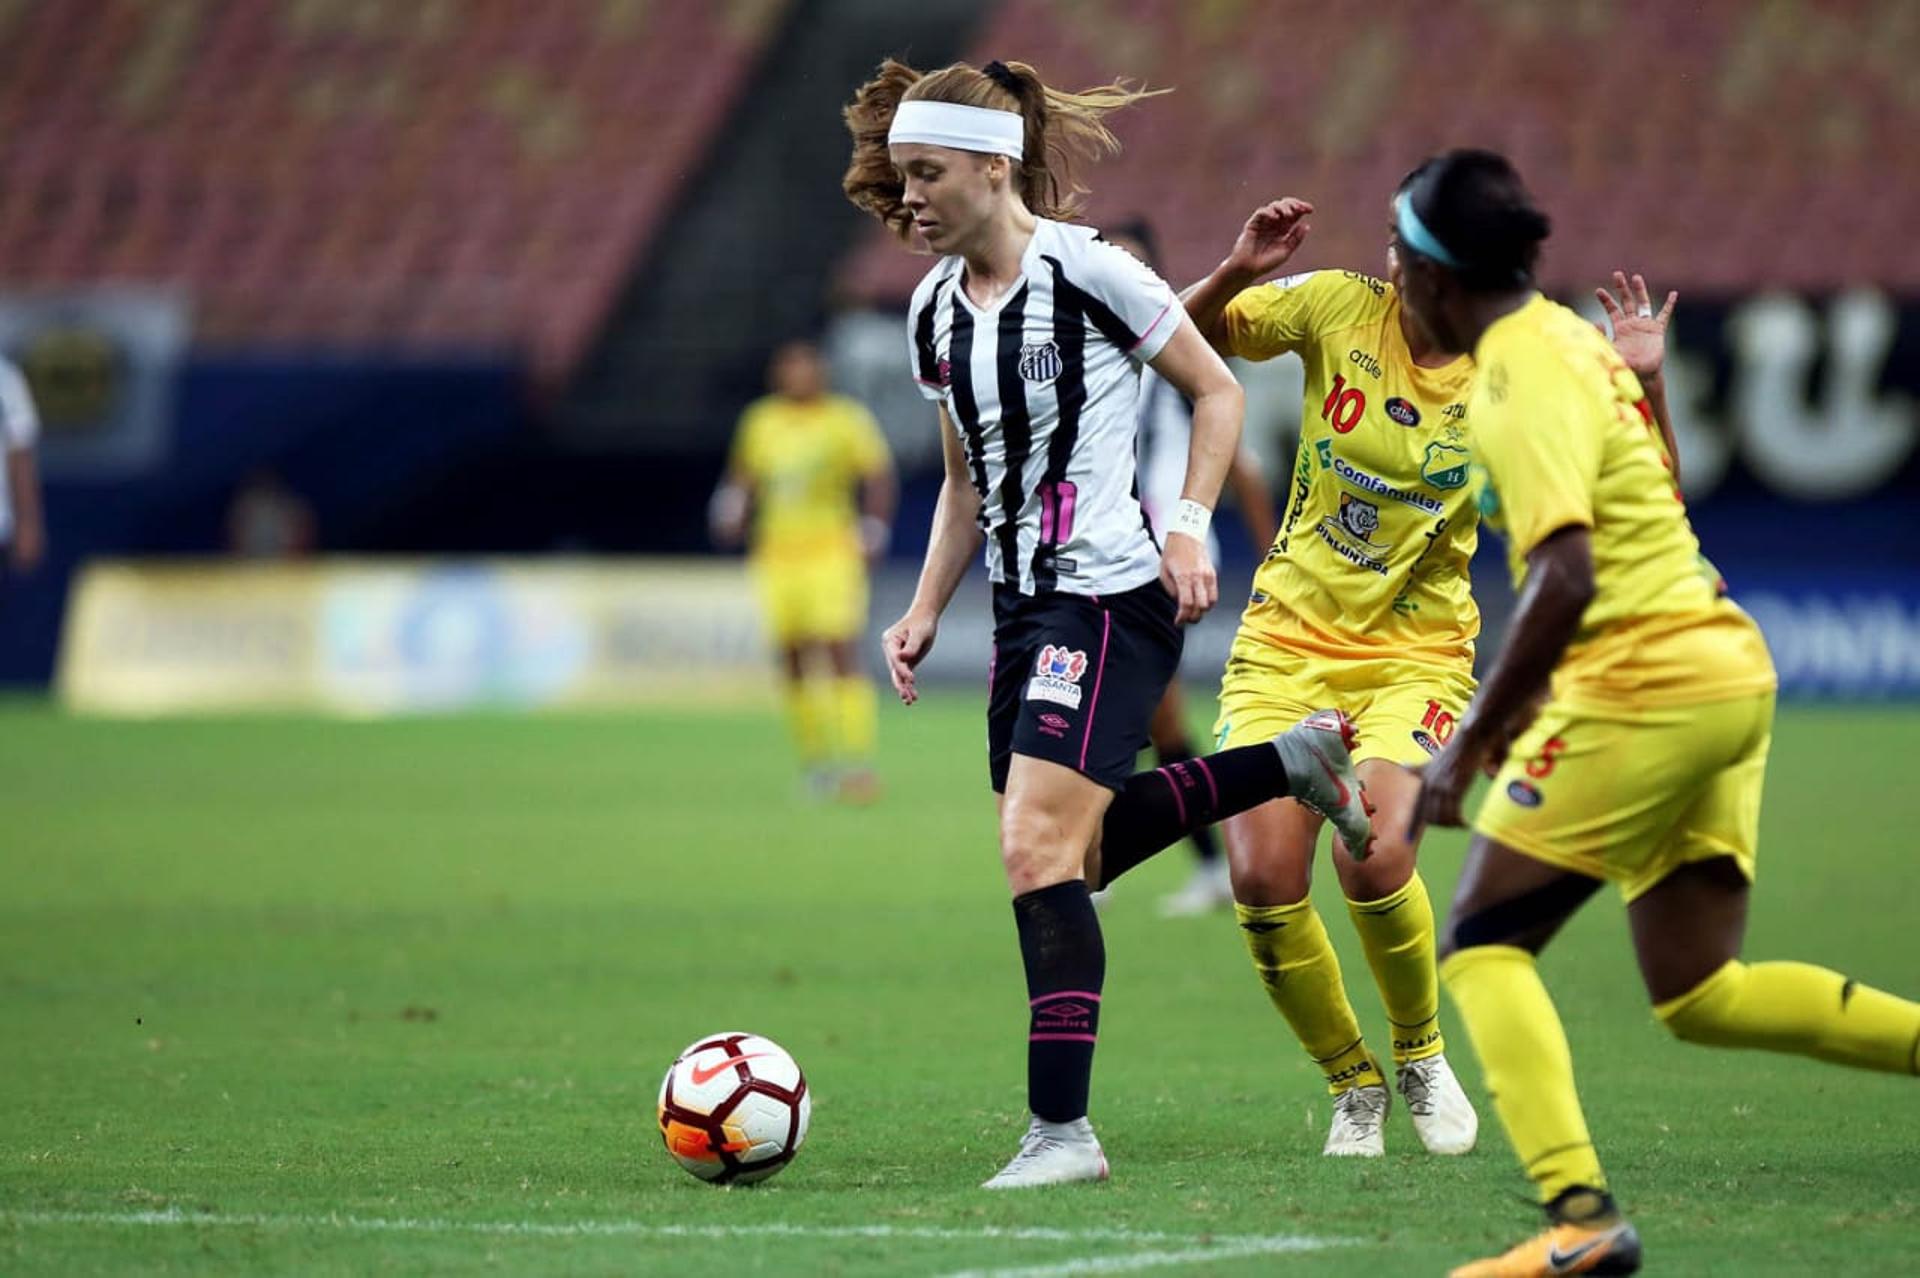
[1633, 795]
[1404, 710]
[812, 598]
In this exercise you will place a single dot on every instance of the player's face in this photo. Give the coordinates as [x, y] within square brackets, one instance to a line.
[947, 191]
[1420, 285]
[798, 372]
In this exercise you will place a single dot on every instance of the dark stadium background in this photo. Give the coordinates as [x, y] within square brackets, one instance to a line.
[483, 278]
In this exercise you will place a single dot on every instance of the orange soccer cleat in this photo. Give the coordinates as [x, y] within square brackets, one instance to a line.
[1611, 1247]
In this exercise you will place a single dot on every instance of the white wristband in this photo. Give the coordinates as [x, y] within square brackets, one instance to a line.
[1191, 518]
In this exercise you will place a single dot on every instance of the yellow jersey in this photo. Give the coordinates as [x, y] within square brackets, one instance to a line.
[804, 461]
[1564, 436]
[1372, 557]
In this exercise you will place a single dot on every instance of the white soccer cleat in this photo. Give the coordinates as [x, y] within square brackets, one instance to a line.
[1053, 1154]
[1208, 890]
[1442, 1114]
[1317, 754]
[1359, 1123]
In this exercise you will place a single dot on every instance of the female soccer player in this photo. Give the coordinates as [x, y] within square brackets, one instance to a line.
[1644, 767]
[1029, 333]
[1363, 604]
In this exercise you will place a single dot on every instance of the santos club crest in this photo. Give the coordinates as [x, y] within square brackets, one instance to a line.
[1040, 362]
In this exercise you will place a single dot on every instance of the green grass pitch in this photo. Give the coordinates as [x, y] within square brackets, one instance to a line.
[322, 997]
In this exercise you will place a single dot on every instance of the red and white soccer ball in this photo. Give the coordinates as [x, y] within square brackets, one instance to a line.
[734, 1108]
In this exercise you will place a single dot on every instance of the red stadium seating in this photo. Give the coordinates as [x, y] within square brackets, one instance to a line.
[1719, 145]
[431, 174]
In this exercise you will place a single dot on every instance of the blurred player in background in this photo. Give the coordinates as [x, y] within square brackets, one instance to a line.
[23, 529]
[1645, 766]
[1029, 333]
[811, 470]
[1166, 429]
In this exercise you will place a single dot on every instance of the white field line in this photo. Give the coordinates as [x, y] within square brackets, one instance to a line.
[1189, 1248]
[1229, 1248]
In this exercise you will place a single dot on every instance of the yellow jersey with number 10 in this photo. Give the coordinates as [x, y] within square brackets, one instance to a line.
[1565, 437]
[1372, 556]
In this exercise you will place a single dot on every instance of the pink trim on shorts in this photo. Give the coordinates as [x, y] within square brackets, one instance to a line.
[1086, 742]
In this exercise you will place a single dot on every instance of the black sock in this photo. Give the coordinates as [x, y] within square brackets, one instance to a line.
[1583, 1205]
[1158, 807]
[1066, 966]
[1206, 847]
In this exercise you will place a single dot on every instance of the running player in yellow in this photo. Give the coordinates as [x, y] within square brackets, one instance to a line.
[1645, 765]
[1362, 604]
[802, 458]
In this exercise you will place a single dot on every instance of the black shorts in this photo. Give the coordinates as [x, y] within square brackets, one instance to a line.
[1075, 678]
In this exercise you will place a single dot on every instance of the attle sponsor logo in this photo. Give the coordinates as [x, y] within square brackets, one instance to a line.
[1056, 676]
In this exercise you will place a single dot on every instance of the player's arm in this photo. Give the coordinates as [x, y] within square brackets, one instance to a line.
[879, 486]
[1265, 243]
[955, 540]
[1558, 588]
[731, 505]
[1219, 406]
[1254, 496]
[19, 430]
[29, 523]
[879, 495]
[1640, 335]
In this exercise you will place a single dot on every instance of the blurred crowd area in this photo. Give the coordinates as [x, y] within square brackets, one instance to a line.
[291, 277]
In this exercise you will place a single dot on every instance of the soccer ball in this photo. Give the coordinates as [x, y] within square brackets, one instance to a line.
[734, 1108]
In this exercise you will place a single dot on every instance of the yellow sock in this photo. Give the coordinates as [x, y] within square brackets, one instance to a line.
[809, 711]
[856, 718]
[1397, 933]
[1796, 1007]
[1296, 963]
[1527, 1064]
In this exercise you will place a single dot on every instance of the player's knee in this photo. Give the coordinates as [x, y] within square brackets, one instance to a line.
[1710, 1012]
[1261, 878]
[1032, 852]
[1382, 874]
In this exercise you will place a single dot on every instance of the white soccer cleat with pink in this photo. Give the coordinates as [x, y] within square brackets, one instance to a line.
[1053, 1154]
[1317, 753]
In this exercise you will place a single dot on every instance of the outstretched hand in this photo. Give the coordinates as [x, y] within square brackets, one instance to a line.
[1270, 236]
[1639, 333]
[905, 644]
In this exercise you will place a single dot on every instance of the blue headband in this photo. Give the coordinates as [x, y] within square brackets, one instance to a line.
[1415, 235]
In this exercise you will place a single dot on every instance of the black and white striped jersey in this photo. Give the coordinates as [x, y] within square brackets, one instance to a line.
[1043, 388]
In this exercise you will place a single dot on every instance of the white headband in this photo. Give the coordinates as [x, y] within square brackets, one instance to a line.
[965, 128]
